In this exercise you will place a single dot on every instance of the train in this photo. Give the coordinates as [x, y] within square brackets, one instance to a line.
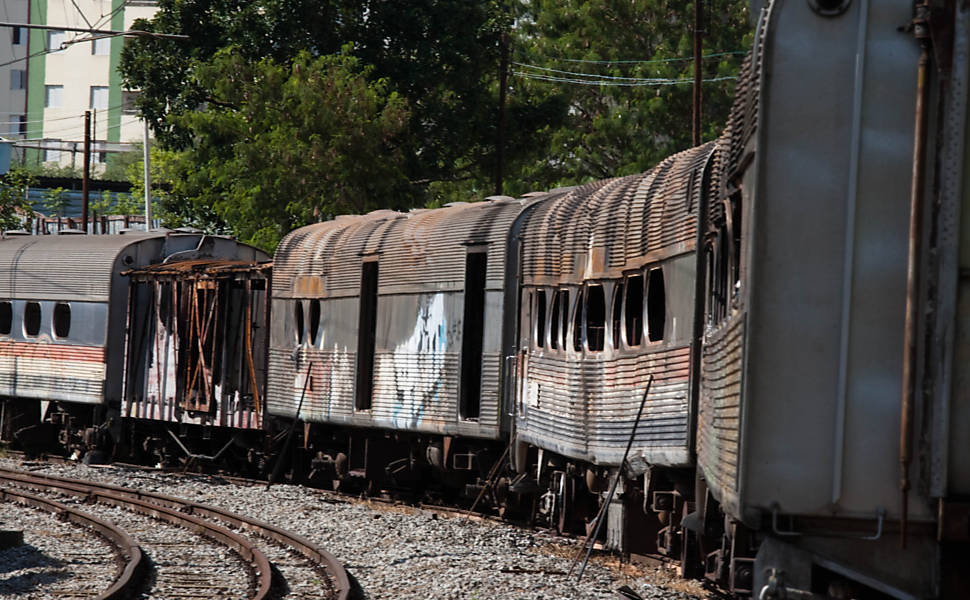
[746, 358]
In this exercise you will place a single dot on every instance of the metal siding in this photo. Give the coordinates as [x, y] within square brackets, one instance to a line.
[49, 371]
[585, 409]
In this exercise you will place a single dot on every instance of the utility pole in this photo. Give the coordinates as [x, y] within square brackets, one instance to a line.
[503, 84]
[148, 184]
[87, 171]
[698, 49]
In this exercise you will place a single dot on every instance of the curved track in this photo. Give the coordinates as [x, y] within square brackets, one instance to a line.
[205, 520]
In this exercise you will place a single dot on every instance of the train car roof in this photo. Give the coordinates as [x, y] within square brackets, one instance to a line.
[600, 229]
[422, 250]
[73, 267]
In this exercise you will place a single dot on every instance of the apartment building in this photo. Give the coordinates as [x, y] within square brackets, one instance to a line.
[63, 73]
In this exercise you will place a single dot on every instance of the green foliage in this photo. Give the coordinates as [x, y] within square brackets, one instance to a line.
[56, 200]
[625, 125]
[282, 145]
[253, 139]
[13, 199]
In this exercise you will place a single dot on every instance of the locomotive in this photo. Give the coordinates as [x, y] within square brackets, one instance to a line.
[770, 323]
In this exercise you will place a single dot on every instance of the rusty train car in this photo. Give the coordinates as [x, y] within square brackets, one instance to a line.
[787, 302]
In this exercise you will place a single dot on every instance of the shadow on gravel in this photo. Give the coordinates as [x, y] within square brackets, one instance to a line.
[34, 570]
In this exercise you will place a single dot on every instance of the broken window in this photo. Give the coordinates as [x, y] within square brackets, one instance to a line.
[62, 319]
[578, 322]
[32, 319]
[314, 321]
[595, 317]
[555, 320]
[656, 305]
[634, 310]
[540, 327]
[616, 314]
[298, 315]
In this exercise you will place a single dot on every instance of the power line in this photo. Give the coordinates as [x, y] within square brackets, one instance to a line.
[646, 80]
[656, 82]
[653, 61]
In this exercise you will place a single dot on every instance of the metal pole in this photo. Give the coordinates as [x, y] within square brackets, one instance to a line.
[503, 84]
[289, 434]
[696, 116]
[148, 184]
[87, 171]
[616, 480]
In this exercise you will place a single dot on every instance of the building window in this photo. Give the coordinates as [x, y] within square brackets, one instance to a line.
[18, 125]
[52, 151]
[101, 46]
[18, 79]
[53, 96]
[54, 40]
[99, 97]
[128, 99]
[19, 36]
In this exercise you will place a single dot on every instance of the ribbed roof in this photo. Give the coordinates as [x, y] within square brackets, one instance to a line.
[422, 249]
[61, 267]
[600, 229]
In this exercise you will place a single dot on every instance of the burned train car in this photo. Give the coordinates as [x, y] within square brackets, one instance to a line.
[198, 331]
[391, 323]
[607, 276]
[63, 308]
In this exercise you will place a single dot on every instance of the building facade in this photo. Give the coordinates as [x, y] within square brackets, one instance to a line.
[55, 75]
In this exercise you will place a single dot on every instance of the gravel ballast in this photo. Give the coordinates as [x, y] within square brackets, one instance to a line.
[403, 553]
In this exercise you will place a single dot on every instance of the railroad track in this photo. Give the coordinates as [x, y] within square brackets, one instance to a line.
[187, 569]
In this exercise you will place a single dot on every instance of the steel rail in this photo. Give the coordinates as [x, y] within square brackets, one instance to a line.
[333, 567]
[125, 584]
[142, 504]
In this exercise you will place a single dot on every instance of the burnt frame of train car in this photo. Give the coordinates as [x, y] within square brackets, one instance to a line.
[217, 312]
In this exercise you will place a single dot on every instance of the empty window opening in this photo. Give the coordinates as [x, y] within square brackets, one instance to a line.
[366, 336]
[736, 239]
[564, 317]
[32, 319]
[6, 317]
[540, 318]
[62, 319]
[314, 321]
[595, 317]
[634, 310]
[555, 320]
[578, 322]
[656, 305]
[473, 334]
[616, 314]
[298, 316]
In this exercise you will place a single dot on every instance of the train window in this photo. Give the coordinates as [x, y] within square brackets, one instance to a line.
[314, 321]
[656, 305]
[564, 308]
[473, 335]
[578, 322]
[6, 318]
[298, 314]
[595, 317]
[32, 319]
[634, 310]
[366, 335]
[62, 319]
[555, 320]
[617, 314]
[540, 318]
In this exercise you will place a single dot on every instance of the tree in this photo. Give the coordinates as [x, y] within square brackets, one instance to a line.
[14, 205]
[442, 57]
[56, 200]
[625, 71]
[281, 145]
